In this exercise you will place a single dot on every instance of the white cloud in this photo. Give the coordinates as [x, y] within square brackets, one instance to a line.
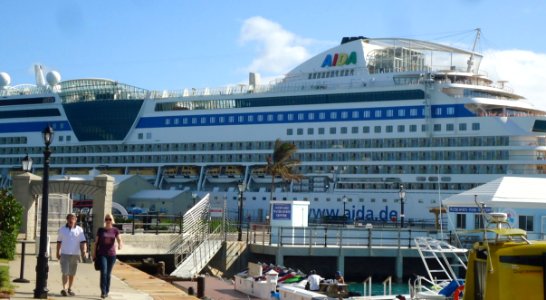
[278, 50]
[524, 70]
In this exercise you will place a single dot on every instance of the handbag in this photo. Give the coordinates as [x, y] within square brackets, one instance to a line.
[97, 264]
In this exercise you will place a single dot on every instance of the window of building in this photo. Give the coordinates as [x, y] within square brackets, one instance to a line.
[413, 112]
[450, 127]
[269, 118]
[311, 116]
[310, 131]
[61, 138]
[148, 135]
[355, 114]
[366, 129]
[333, 115]
[462, 126]
[68, 138]
[366, 114]
[401, 112]
[321, 130]
[461, 221]
[280, 117]
[333, 130]
[377, 114]
[424, 127]
[438, 111]
[413, 128]
[377, 129]
[388, 128]
[289, 131]
[299, 131]
[450, 110]
[344, 115]
[475, 126]
[140, 136]
[401, 128]
[167, 121]
[479, 222]
[390, 113]
[343, 130]
[322, 116]
[354, 129]
[290, 117]
[526, 223]
[437, 127]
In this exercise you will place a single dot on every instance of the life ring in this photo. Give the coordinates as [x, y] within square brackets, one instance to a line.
[458, 292]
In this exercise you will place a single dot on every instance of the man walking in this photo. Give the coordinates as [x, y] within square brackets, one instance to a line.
[71, 243]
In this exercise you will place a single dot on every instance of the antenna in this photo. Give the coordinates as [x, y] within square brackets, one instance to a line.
[471, 59]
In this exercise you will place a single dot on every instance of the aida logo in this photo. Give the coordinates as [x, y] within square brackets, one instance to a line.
[339, 59]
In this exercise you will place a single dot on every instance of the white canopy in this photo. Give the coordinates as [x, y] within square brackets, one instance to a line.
[508, 191]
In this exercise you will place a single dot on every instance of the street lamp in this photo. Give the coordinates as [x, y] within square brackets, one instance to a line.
[26, 163]
[40, 292]
[402, 194]
[242, 187]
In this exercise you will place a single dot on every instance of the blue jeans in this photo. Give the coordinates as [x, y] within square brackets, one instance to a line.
[106, 265]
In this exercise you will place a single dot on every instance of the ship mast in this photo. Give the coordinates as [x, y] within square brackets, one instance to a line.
[471, 59]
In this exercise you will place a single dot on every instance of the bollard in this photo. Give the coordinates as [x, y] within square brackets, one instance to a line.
[21, 278]
[191, 292]
[201, 286]
[161, 268]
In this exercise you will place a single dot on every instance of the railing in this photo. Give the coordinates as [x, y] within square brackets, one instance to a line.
[155, 223]
[341, 236]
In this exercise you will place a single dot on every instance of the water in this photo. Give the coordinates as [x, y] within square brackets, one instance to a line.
[377, 288]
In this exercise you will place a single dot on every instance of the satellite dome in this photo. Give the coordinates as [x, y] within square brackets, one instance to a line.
[53, 78]
[5, 80]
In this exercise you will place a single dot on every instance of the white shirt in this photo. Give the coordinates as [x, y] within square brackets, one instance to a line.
[314, 282]
[70, 239]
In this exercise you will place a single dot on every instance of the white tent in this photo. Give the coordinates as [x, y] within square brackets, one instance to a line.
[508, 191]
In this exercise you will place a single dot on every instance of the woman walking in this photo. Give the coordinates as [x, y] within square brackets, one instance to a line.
[105, 252]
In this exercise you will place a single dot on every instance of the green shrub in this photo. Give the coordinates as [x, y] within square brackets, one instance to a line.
[5, 284]
[11, 216]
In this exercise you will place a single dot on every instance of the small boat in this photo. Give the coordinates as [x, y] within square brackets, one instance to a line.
[259, 175]
[225, 174]
[181, 174]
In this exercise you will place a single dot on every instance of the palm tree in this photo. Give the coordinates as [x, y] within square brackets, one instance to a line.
[282, 164]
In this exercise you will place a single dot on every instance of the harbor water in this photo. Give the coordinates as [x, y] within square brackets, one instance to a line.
[377, 288]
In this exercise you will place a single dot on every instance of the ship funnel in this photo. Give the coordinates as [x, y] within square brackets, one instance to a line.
[253, 79]
[39, 73]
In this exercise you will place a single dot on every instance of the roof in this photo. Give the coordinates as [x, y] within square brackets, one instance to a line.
[507, 191]
[156, 194]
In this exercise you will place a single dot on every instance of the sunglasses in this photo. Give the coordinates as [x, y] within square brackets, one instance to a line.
[107, 219]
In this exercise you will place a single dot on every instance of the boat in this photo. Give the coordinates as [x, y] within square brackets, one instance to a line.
[181, 174]
[259, 175]
[224, 174]
[367, 116]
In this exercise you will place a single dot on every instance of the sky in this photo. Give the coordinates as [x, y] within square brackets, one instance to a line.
[172, 45]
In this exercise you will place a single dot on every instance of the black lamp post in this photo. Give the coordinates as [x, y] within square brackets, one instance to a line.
[26, 164]
[344, 203]
[242, 187]
[40, 292]
[402, 194]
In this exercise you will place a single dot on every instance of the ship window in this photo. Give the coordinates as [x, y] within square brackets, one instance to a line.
[333, 115]
[344, 115]
[269, 117]
[194, 120]
[377, 114]
[438, 111]
[475, 126]
[280, 117]
[185, 121]
[449, 127]
[310, 131]
[437, 127]
[61, 138]
[377, 129]
[321, 130]
[167, 121]
[289, 131]
[260, 118]
[401, 128]
[140, 136]
[231, 119]
[401, 112]
[301, 116]
[354, 129]
[333, 130]
[366, 114]
[300, 131]
[413, 128]
[461, 221]
[366, 129]
[311, 116]
[390, 113]
[322, 116]
[526, 223]
[68, 138]
[450, 110]
[355, 114]
[478, 221]
[290, 117]
[343, 130]
[148, 135]
[388, 128]
[204, 120]
[413, 112]
[462, 127]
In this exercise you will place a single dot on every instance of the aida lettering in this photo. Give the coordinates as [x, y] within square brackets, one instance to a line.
[339, 59]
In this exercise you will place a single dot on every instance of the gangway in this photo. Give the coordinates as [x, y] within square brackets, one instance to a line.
[196, 245]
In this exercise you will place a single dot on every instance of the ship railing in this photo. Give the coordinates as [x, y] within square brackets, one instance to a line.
[347, 236]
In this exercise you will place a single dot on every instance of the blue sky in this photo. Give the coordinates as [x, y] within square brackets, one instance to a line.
[171, 45]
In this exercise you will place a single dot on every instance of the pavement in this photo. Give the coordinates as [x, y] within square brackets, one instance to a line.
[127, 282]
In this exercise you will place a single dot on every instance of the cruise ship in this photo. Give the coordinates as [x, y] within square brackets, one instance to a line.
[367, 116]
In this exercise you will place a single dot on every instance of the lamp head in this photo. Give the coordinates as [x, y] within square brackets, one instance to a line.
[402, 192]
[47, 135]
[241, 186]
[26, 163]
